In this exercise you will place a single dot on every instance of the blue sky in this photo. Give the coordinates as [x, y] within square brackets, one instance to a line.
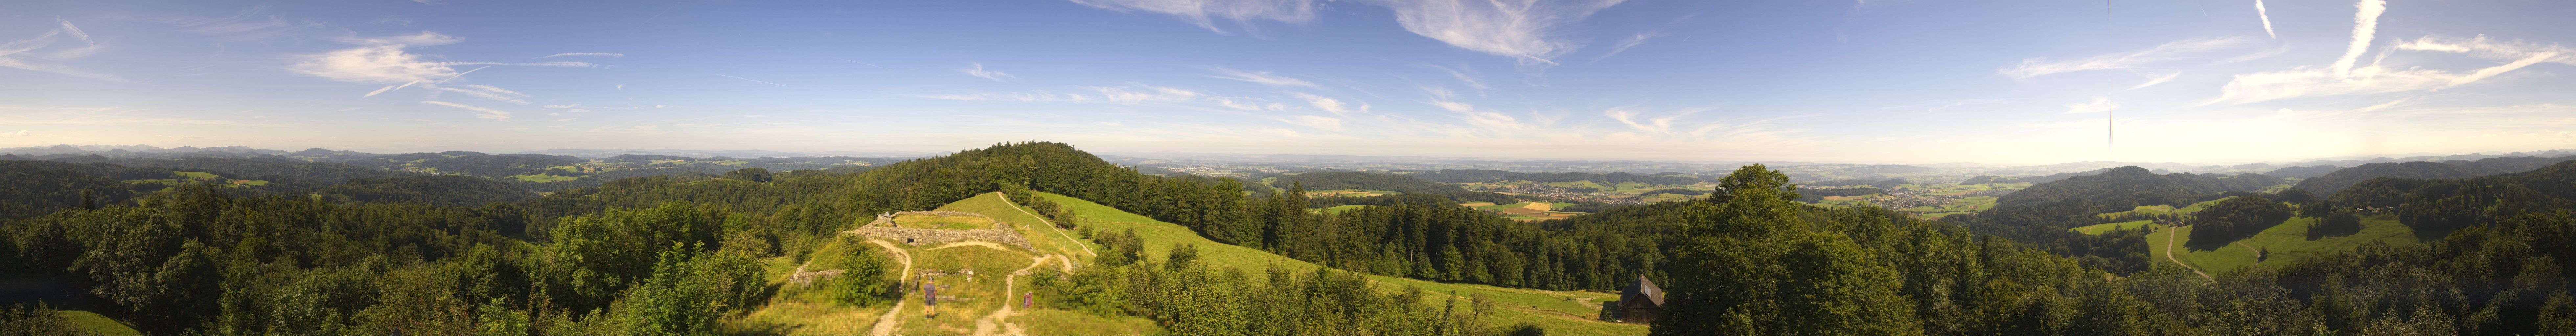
[1921, 81]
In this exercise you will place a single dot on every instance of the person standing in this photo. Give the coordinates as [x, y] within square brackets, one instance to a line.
[929, 299]
[1025, 299]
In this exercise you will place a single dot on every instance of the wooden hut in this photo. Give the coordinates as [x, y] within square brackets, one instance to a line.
[1637, 303]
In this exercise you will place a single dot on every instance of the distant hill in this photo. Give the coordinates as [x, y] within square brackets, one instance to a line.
[468, 163]
[2133, 186]
[2303, 172]
[446, 190]
[1887, 183]
[1489, 175]
[2336, 181]
[252, 168]
[1365, 181]
[2056, 177]
[2442, 204]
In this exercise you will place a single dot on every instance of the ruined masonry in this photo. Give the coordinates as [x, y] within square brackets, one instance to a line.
[884, 227]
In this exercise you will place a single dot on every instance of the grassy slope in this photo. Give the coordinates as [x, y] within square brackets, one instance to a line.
[795, 311]
[798, 311]
[2107, 227]
[2288, 242]
[1559, 312]
[1054, 242]
[1338, 209]
[98, 323]
[1046, 239]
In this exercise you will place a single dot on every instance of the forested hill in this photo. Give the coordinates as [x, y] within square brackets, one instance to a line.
[2455, 169]
[1489, 175]
[34, 188]
[446, 190]
[2121, 187]
[2041, 214]
[469, 163]
[2303, 172]
[2338, 180]
[326, 173]
[1333, 180]
[2439, 205]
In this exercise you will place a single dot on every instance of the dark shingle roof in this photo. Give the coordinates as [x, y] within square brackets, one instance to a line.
[1644, 289]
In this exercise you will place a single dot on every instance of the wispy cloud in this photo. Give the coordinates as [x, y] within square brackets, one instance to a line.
[584, 54]
[1623, 45]
[1205, 13]
[2036, 67]
[2157, 80]
[19, 133]
[1522, 30]
[2267, 19]
[1463, 76]
[385, 60]
[1330, 105]
[1317, 122]
[2517, 53]
[11, 54]
[1024, 97]
[754, 80]
[977, 70]
[2343, 79]
[1146, 94]
[1488, 121]
[2099, 104]
[1263, 77]
[1131, 94]
[489, 92]
[1629, 115]
[249, 25]
[487, 113]
[2365, 28]
[75, 31]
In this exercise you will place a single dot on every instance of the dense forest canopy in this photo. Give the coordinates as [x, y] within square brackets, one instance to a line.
[1333, 180]
[2338, 180]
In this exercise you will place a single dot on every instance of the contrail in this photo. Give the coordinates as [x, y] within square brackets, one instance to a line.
[2365, 25]
[2267, 19]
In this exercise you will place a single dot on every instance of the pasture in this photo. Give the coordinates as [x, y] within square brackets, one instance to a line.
[2287, 242]
[1561, 313]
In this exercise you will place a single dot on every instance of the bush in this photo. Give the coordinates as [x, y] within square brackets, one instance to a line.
[38, 319]
[2337, 224]
[862, 281]
[754, 174]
